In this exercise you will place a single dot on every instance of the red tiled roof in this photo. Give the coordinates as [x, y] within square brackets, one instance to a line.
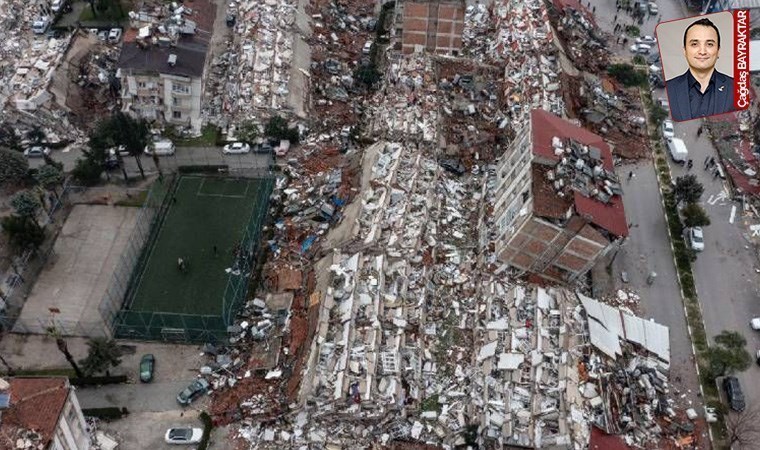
[36, 404]
[546, 125]
[610, 216]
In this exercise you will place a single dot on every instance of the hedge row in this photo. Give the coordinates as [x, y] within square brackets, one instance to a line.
[203, 169]
[97, 381]
[109, 413]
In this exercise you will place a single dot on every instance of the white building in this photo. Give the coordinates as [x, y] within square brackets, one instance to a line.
[44, 411]
[163, 82]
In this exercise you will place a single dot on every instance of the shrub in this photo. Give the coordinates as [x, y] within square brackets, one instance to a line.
[87, 172]
[627, 75]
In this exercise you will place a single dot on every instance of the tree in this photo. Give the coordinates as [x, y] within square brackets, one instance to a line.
[23, 233]
[26, 205]
[627, 75]
[367, 74]
[8, 137]
[63, 347]
[121, 131]
[87, 171]
[688, 189]
[695, 216]
[36, 135]
[101, 356]
[728, 355]
[49, 178]
[657, 114]
[248, 132]
[744, 427]
[13, 166]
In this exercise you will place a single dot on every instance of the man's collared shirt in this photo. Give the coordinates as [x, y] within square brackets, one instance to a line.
[701, 104]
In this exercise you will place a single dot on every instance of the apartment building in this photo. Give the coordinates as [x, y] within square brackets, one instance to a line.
[43, 412]
[558, 206]
[164, 81]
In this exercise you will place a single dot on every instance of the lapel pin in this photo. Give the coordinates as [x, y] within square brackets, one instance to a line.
[721, 88]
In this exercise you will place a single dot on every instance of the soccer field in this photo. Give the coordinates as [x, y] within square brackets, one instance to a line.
[205, 213]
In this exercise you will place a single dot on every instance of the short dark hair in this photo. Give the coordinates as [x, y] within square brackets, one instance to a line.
[704, 23]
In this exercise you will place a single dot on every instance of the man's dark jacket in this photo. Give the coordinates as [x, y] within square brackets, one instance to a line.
[678, 95]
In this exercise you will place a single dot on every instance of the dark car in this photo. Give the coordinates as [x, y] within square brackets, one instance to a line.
[190, 393]
[453, 166]
[734, 394]
[147, 363]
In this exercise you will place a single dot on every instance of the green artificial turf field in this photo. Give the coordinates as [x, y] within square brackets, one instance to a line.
[206, 212]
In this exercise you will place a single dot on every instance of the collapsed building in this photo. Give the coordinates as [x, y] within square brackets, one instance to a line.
[559, 206]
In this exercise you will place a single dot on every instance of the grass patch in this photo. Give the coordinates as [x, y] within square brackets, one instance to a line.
[133, 200]
[210, 137]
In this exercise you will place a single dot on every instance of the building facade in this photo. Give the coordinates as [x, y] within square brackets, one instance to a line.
[45, 411]
[434, 26]
[558, 206]
[162, 82]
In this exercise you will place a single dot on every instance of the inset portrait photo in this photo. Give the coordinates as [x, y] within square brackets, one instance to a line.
[698, 61]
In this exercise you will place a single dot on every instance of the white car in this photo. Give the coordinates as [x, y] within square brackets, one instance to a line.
[641, 49]
[184, 435]
[697, 239]
[647, 40]
[56, 5]
[367, 49]
[653, 8]
[37, 151]
[236, 148]
[114, 35]
[668, 131]
[755, 323]
[664, 103]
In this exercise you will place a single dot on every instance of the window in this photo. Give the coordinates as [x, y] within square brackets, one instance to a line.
[526, 195]
[180, 88]
[177, 114]
[141, 84]
[176, 101]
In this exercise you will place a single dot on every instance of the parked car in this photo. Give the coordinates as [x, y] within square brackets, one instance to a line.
[40, 24]
[653, 8]
[161, 148]
[648, 40]
[734, 394]
[696, 239]
[183, 435]
[190, 393]
[664, 103]
[114, 35]
[668, 130]
[640, 49]
[147, 363]
[757, 357]
[236, 148]
[755, 323]
[38, 151]
[367, 49]
[654, 58]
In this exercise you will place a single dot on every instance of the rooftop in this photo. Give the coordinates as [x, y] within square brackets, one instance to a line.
[582, 174]
[35, 404]
[190, 57]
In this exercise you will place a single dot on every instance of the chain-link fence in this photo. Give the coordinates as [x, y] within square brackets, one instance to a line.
[166, 326]
[135, 253]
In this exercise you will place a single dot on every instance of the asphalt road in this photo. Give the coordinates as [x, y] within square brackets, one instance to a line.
[138, 397]
[648, 247]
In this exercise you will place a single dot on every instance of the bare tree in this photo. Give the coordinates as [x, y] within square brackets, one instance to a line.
[744, 428]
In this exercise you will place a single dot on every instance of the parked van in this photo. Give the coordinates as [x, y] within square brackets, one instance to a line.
[162, 147]
[678, 150]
